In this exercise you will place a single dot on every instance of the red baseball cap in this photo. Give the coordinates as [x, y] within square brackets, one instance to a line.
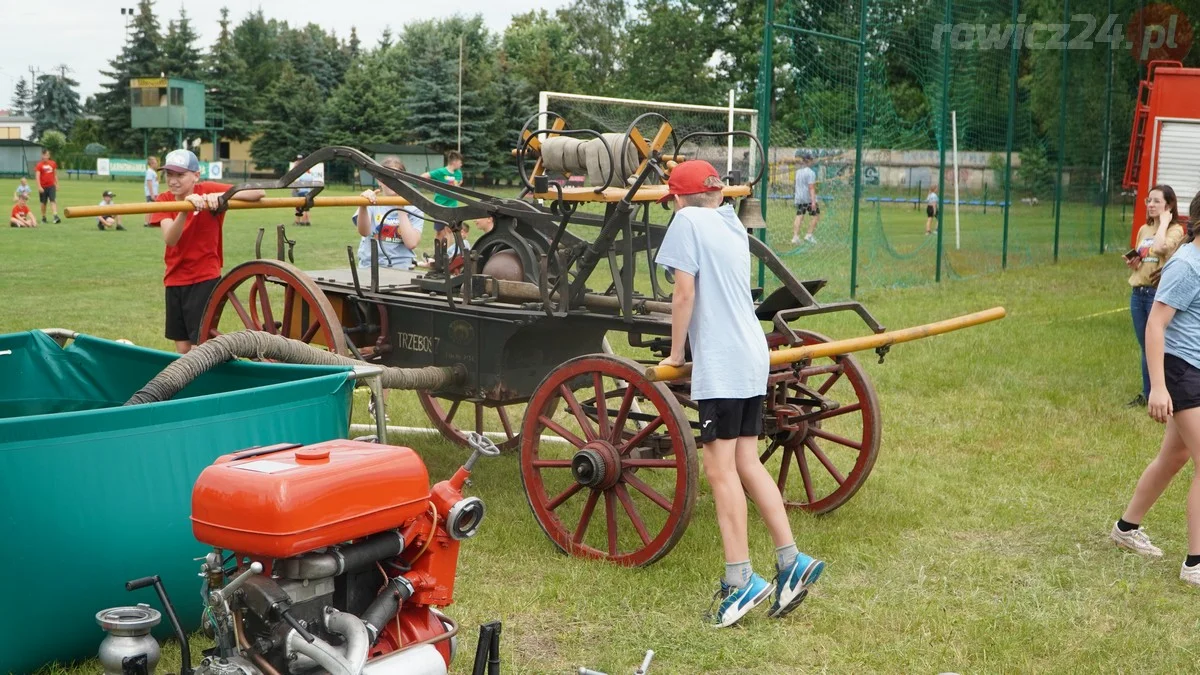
[692, 177]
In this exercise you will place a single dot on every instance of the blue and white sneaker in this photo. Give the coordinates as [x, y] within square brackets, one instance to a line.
[792, 585]
[737, 601]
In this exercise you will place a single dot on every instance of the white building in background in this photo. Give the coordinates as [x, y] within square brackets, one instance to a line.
[15, 127]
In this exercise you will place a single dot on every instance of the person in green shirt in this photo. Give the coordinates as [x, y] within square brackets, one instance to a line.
[451, 174]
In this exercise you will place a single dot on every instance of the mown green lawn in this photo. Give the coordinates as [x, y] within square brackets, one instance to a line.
[978, 544]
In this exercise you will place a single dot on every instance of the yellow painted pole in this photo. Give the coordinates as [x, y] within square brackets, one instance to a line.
[234, 204]
[858, 344]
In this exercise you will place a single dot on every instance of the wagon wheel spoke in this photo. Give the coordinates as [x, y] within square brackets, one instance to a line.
[802, 462]
[824, 459]
[577, 411]
[839, 411]
[551, 463]
[641, 435]
[585, 517]
[830, 436]
[632, 512]
[601, 406]
[564, 496]
[264, 301]
[558, 429]
[610, 515]
[649, 463]
[453, 411]
[769, 451]
[828, 384]
[651, 494]
[238, 307]
[478, 417]
[289, 297]
[622, 415]
[784, 462]
[310, 333]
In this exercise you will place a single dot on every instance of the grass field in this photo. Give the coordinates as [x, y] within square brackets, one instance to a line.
[978, 544]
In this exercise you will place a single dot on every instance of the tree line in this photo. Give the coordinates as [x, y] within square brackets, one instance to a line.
[291, 89]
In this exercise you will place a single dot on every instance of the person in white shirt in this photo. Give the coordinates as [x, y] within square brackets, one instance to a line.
[150, 188]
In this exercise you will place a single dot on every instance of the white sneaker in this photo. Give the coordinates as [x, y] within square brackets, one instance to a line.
[1190, 574]
[1139, 542]
[795, 239]
[809, 238]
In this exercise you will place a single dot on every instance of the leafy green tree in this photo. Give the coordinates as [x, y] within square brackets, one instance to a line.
[597, 30]
[229, 89]
[659, 65]
[293, 120]
[540, 50]
[140, 57]
[366, 108]
[180, 56]
[55, 103]
[54, 141]
[256, 41]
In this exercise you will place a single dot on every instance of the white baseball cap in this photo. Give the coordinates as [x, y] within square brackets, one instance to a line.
[180, 161]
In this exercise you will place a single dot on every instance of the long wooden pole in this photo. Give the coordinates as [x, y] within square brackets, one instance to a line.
[234, 204]
[858, 344]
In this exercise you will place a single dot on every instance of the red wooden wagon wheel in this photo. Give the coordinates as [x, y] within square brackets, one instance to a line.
[481, 416]
[823, 461]
[276, 297]
[584, 459]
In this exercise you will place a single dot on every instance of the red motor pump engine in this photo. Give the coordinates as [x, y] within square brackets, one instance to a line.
[331, 558]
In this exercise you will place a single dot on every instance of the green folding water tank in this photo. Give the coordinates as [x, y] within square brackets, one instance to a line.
[95, 494]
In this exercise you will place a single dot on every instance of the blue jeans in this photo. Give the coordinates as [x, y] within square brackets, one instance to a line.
[1140, 302]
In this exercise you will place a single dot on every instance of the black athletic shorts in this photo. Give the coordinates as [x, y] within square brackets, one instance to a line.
[49, 194]
[929, 211]
[727, 418]
[813, 209]
[1183, 382]
[185, 309]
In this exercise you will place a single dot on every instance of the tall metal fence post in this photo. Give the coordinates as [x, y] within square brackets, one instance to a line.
[766, 84]
[858, 142]
[1108, 92]
[1008, 143]
[1062, 134]
[937, 274]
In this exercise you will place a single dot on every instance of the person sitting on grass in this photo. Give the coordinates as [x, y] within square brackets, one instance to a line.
[108, 222]
[21, 215]
[23, 188]
[708, 249]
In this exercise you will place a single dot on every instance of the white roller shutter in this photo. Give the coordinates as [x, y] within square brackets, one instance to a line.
[1178, 162]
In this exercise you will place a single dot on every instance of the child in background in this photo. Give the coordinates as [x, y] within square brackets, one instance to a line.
[21, 215]
[451, 174]
[23, 188]
[931, 205]
[397, 229]
[108, 222]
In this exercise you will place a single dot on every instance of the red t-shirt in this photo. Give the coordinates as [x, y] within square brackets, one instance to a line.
[45, 171]
[198, 255]
[20, 210]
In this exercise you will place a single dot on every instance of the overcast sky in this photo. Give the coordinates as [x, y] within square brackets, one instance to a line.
[86, 34]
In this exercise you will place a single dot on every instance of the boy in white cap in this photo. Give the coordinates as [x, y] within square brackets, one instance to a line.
[194, 254]
[712, 310]
[108, 222]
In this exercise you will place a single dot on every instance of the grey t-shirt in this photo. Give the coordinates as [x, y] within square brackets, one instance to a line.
[1179, 287]
[805, 177]
[386, 228]
[150, 185]
[729, 349]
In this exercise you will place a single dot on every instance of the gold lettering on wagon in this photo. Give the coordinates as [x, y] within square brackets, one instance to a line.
[417, 343]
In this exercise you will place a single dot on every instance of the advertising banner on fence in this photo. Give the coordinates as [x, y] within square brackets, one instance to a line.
[121, 166]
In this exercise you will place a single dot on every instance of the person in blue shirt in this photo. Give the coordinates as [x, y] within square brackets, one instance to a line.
[397, 229]
[711, 308]
[1173, 359]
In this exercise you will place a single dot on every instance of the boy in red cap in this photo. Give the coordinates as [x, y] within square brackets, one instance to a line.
[708, 249]
[194, 255]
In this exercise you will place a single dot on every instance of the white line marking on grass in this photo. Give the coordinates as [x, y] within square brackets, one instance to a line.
[1108, 311]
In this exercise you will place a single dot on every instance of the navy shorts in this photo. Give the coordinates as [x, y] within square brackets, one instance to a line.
[1183, 382]
[49, 194]
[727, 418]
[185, 309]
[808, 209]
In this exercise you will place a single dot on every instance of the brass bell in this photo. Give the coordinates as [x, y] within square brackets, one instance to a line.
[750, 213]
